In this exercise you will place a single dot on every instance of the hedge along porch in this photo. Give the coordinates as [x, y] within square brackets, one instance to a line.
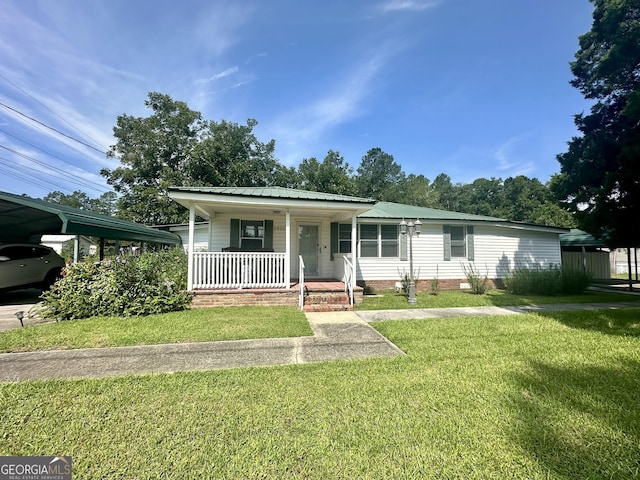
[263, 237]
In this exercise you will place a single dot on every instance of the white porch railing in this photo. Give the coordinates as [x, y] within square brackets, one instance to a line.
[348, 279]
[301, 281]
[213, 270]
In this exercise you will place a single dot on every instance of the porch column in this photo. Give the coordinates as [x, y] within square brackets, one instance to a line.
[76, 249]
[192, 242]
[354, 247]
[287, 249]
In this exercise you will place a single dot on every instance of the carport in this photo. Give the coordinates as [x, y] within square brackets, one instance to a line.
[25, 220]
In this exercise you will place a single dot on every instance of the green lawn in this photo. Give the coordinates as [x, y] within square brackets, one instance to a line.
[463, 298]
[549, 396]
[198, 325]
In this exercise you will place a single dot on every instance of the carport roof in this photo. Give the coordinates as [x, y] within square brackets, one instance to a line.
[25, 219]
[580, 238]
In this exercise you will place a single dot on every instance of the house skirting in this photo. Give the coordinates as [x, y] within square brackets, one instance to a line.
[424, 284]
[323, 295]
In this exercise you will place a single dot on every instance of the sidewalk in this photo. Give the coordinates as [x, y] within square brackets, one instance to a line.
[336, 336]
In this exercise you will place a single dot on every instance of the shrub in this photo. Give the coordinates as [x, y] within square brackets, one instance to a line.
[153, 282]
[405, 280]
[477, 282]
[435, 284]
[551, 281]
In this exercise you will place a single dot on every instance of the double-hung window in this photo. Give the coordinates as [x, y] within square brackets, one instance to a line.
[344, 238]
[251, 234]
[378, 240]
[458, 242]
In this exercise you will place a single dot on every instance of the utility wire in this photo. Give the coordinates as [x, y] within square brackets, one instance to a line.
[45, 151]
[51, 128]
[45, 184]
[58, 172]
[51, 110]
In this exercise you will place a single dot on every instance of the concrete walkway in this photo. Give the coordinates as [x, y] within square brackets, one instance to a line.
[337, 336]
[423, 313]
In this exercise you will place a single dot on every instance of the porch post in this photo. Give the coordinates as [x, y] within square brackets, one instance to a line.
[354, 253]
[192, 242]
[287, 249]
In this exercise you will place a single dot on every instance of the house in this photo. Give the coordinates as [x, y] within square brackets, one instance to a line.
[85, 245]
[261, 244]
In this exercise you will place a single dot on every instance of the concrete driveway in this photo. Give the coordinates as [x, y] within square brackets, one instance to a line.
[12, 302]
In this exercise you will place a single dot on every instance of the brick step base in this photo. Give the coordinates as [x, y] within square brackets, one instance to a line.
[326, 302]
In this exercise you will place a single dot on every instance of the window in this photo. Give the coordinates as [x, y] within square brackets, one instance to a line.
[344, 238]
[251, 234]
[458, 242]
[378, 240]
[389, 240]
[368, 240]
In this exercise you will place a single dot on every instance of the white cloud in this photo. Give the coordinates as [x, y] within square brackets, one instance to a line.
[408, 5]
[298, 129]
[217, 76]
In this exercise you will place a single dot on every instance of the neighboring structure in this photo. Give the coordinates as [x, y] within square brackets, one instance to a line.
[261, 238]
[85, 247]
[582, 251]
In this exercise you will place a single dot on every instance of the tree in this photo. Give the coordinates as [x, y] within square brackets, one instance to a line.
[104, 204]
[600, 172]
[333, 175]
[378, 175]
[174, 146]
[446, 193]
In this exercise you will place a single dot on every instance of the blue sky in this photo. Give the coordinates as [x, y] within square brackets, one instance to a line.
[470, 88]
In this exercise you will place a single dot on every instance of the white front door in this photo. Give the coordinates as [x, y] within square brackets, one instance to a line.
[308, 247]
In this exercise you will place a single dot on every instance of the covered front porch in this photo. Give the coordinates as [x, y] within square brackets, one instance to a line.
[269, 239]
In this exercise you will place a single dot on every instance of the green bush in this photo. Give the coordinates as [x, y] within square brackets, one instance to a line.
[477, 282]
[128, 285]
[552, 281]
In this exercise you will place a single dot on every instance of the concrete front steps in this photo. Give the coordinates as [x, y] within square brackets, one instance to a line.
[315, 301]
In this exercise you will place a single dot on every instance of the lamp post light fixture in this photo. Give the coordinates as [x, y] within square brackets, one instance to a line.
[410, 229]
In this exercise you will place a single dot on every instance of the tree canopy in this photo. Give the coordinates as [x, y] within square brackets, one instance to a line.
[174, 145]
[599, 179]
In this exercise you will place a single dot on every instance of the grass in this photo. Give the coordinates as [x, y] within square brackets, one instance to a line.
[198, 325]
[522, 396]
[390, 300]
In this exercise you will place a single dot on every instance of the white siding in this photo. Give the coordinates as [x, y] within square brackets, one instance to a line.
[220, 237]
[497, 251]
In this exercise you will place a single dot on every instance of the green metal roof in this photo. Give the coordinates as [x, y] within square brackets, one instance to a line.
[580, 238]
[398, 211]
[25, 219]
[274, 192]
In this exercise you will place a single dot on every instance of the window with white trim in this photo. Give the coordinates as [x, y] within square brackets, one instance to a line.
[378, 240]
[458, 242]
[251, 234]
[344, 238]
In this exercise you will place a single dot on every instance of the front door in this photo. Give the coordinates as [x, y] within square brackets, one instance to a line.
[308, 246]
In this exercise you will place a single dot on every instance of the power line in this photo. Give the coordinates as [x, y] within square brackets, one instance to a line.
[36, 182]
[48, 108]
[51, 128]
[45, 151]
[86, 183]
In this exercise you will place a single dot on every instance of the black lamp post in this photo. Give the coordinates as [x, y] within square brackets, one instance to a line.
[410, 229]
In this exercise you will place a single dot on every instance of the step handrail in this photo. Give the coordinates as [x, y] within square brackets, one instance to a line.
[301, 282]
